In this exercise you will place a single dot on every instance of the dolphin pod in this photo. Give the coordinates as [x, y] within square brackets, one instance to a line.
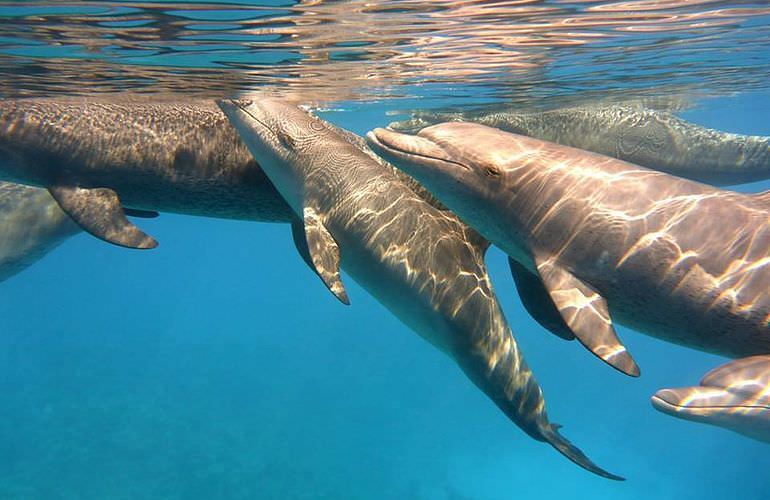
[606, 240]
[174, 150]
[655, 139]
[183, 137]
[358, 213]
[104, 160]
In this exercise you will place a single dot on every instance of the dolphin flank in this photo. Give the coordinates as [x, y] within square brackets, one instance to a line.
[98, 156]
[357, 213]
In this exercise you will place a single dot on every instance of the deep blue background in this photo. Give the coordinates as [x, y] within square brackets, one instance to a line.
[218, 366]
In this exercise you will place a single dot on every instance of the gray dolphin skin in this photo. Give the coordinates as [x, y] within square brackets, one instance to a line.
[424, 265]
[97, 156]
[31, 225]
[735, 396]
[650, 138]
[667, 256]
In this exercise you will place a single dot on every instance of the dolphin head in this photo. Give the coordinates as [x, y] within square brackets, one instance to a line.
[280, 136]
[459, 162]
[735, 396]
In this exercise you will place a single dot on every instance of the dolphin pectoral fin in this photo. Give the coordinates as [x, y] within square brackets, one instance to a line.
[318, 249]
[142, 214]
[585, 312]
[98, 211]
[537, 301]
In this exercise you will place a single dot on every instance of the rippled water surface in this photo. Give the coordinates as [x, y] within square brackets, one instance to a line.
[218, 366]
[361, 50]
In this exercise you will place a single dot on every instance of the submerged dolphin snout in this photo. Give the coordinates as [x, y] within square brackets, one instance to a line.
[669, 401]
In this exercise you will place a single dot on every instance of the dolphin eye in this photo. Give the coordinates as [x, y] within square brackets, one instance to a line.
[492, 171]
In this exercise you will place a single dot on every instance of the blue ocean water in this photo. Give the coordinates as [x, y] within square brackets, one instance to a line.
[218, 366]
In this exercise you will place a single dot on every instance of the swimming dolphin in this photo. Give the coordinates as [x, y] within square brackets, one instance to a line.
[420, 262]
[31, 225]
[735, 396]
[651, 138]
[97, 156]
[608, 240]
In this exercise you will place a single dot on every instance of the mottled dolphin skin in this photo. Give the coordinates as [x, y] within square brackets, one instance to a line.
[735, 396]
[97, 156]
[31, 225]
[655, 139]
[420, 262]
[667, 256]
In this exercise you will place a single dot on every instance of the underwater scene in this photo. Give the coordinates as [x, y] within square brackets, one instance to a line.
[441, 250]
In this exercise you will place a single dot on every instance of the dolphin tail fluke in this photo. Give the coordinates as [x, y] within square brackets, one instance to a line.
[554, 438]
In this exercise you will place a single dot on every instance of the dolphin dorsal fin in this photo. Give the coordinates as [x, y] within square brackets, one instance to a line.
[320, 252]
[99, 212]
[585, 312]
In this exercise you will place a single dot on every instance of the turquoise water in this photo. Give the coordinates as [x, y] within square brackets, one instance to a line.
[218, 366]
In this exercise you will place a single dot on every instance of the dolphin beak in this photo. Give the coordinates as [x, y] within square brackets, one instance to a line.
[693, 402]
[670, 401]
[413, 154]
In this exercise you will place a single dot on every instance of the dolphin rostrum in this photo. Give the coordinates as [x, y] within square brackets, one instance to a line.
[735, 396]
[97, 156]
[359, 214]
[643, 136]
[31, 225]
[608, 240]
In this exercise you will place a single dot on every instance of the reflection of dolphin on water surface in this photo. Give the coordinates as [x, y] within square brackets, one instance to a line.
[359, 214]
[605, 240]
[639, 135]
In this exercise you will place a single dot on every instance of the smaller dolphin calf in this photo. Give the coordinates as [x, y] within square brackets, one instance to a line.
[31, 225]
[633, 133]
[735, 396]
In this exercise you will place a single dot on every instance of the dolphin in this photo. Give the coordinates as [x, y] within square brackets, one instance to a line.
[31, 225]
[605, 240]
[102, 159]
[735, 396]
[651, 138]
[359, 214]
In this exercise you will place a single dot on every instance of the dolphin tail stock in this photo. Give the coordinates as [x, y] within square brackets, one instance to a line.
[553, 437]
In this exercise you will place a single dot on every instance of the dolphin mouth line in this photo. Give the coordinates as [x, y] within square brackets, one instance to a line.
[419, 155]
[260, 122]
[668, 404]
